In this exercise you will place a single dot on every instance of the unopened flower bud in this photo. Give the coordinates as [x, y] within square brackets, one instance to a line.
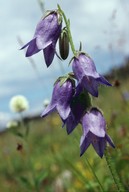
[64, 44]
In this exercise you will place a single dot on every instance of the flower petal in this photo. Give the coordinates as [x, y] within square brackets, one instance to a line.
[85, 72]
[102, 80]
[26, 45]
[49, 53]
[90, 84]
[49, 109]
[84, 144]
[84, 65]
[94, 122]
[48, 30]
[99, 144]
[63, 110]
[109, 140]
[70, 123]
[32, 48]
[61, 98]
[78, 90]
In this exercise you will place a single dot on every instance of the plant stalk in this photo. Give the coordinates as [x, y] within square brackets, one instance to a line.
[113, 171]
[69, 31]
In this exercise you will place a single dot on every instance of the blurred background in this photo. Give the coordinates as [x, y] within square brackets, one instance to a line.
[36, 154]
[102, 27]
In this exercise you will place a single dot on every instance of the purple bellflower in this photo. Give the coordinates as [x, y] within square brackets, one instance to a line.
[94, 132]
[61, 99]
[85, 72]
[46, 35]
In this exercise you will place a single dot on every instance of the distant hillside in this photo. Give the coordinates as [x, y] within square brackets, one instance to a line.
[121, 72]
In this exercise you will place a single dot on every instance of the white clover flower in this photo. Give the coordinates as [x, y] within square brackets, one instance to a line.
[46, 102]
[19, 103]
[12, 124]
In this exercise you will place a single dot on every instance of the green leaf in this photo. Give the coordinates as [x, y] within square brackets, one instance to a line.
[19, 134]
[25, 181]
[41, 177]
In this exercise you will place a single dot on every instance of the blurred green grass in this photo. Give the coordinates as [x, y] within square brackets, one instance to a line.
[51, 151]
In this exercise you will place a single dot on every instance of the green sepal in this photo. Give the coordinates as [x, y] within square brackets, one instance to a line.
[71, 60]
[63, 79]
[78, 53]
[71, 75]
[59, 17]
[48, 12]
[84, 53]
[80, 47]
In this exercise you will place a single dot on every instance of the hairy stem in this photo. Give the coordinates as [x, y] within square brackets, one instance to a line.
[113, 171]
[69, 31]
[92, 170]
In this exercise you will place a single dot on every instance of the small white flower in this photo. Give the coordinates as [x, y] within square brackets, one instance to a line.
[46, 102]
[67, 175]
[62, 182]
[12, 124]
[19, 103]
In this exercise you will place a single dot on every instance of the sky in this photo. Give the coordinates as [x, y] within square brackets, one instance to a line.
[102, 26]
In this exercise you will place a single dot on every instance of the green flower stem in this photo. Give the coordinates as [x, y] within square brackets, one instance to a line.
[92, 170]
[25, 139]
[68, 28]
[113, 171]
[30, 165]
[25, 126]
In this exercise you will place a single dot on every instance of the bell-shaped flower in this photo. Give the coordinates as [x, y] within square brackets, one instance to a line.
[61, 99]
[45, 38]
[85, 72]
[94, 132]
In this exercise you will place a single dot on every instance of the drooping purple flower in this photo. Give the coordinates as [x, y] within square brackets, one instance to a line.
[85, 71]
[46, 35]
[61, 98]
[94, 132]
